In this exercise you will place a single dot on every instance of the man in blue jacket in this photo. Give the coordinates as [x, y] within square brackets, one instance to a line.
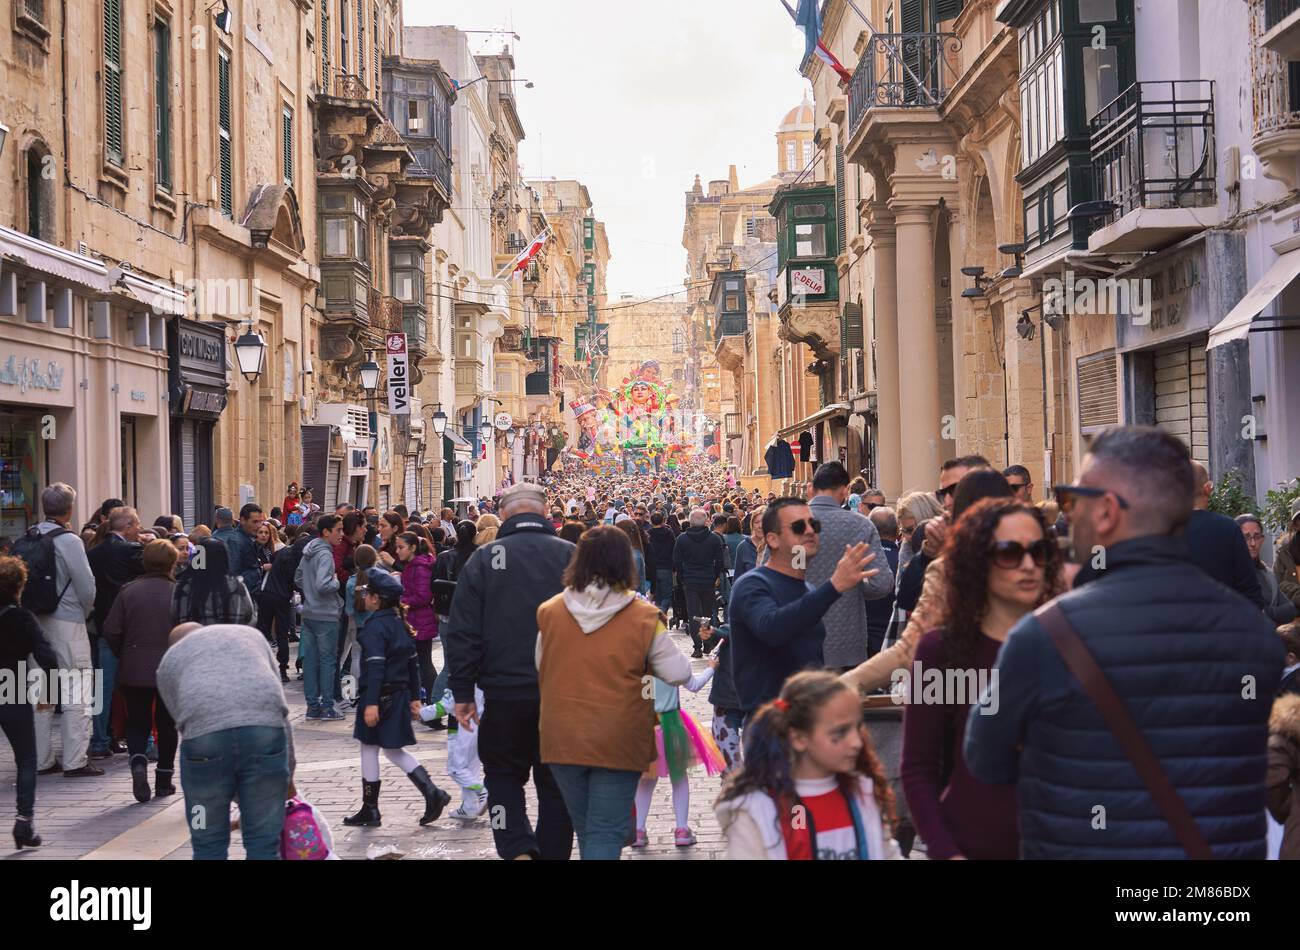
[239, 539]
[776, 615]
[1195, 665]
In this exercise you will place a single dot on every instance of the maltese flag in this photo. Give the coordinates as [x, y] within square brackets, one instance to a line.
[527, 254]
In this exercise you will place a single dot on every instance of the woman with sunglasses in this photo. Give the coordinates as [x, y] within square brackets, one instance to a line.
[1001, 563]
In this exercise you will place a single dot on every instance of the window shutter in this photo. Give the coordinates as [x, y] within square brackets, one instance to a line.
[162, 103]
[852, 327]
[287, 131]
[361, 40]
[942, 10]
[113, 81]
[840, 196]
[325, 47]
[1098, 391]
[911, 20]
[379, 53]
[226, 156]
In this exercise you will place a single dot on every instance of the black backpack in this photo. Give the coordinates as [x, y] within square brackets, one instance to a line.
[41, 595]
[444, 588]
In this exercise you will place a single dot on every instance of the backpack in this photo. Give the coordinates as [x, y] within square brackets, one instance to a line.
[301, 838]
[41, 595]
[444, 588]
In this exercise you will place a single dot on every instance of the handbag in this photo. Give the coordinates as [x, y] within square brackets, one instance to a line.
[1121, 725]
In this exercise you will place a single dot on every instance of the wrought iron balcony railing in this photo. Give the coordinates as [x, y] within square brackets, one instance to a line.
[1275, 11]
[902, 70]
[1275, 82]
[348, 86]
[1153, 147]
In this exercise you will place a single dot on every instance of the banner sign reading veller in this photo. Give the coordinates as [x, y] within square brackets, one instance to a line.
[399, 384]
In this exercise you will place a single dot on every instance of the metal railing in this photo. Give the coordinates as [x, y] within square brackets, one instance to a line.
[349, 86]
[1275, 82]
[902, 70]
[1275, 11]
[1153, 146]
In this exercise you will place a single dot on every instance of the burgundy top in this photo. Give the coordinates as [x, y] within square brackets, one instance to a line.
[967, 817]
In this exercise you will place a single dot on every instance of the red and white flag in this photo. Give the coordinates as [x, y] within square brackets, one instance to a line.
[526, 255]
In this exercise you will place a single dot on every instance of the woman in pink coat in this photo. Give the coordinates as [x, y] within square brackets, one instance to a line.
[417, 596]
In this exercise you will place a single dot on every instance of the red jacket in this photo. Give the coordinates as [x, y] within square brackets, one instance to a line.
[342, 551]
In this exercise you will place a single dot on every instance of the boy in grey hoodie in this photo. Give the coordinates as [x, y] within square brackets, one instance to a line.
[319, 584]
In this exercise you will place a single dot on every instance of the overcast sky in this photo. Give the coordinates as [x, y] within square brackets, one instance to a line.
[634, 99]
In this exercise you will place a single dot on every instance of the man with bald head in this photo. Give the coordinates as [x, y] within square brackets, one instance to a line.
[489, 641]
[1215, 544]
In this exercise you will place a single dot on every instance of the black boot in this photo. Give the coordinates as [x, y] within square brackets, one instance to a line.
[162, 783]
[368, 816]
[140, 777]
[25, 835]
[435, 799]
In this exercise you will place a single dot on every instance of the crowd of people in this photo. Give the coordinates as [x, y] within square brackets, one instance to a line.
[1049, 658]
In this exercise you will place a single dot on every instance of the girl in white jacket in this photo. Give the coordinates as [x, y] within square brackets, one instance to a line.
[811, 787]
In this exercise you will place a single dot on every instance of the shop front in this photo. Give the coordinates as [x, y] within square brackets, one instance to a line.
[1169, 379]
[196, 354]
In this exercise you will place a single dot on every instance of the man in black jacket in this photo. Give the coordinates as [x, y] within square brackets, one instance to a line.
[274, 609]
[115, 562]
[1194, 664]
[1215, 544]
[661, 541]
[490, 640]
[699, 558]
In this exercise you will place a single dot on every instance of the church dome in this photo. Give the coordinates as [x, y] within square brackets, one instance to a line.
[799, 119]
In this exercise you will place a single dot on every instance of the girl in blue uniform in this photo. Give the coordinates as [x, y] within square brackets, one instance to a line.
[388, 699]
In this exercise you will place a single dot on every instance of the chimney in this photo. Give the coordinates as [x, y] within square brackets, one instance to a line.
[733, 180]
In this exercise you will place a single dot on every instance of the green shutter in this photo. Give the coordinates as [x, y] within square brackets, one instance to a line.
[361, 40]
[224, 135]
[162, 103]
[852, 327]
[325, 47]
[911, 20]
[113, 81]
[941, 10]
[841, 192]
[379, 53]
[286, 119]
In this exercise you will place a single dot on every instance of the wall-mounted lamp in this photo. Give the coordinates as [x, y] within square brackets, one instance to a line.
[1025, 326]
[1018, 252]
[369, 373]
[250, 351]
[1091, 209]
[982, 283]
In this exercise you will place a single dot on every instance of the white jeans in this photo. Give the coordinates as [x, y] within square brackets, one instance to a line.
[71, 646]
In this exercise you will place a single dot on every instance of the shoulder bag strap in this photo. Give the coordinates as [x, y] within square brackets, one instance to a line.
[1094, 682]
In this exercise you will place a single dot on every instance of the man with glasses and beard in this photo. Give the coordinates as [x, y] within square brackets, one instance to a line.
[1185, 669]
[776, 615]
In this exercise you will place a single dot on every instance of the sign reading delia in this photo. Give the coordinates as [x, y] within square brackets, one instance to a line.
[399, 385]
[808, 281]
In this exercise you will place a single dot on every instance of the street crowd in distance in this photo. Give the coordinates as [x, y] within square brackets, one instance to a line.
[963, 673]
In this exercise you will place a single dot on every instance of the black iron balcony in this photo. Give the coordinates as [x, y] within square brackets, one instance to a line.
[1153, 147]
[1275, 11]
[901, 71]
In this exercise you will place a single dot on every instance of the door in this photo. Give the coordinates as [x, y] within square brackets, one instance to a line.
[332, 474]
[1182, 406]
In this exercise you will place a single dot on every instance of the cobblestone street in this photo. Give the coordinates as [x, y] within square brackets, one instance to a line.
[97, 818]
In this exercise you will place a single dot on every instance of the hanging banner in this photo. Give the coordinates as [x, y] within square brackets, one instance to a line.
[399, 386]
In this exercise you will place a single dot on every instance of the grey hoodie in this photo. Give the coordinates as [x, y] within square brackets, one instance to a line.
[71, 564]
[319, 584]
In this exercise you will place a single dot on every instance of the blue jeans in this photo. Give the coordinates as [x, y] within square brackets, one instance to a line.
[600, 804]
[664, 588]
[99, 735]
[248, 763]
[319, 646]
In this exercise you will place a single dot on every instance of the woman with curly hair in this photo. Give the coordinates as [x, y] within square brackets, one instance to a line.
[1002, 562]
[811, 787]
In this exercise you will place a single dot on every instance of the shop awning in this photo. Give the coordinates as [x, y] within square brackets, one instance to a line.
[1236, 325]
[19, 248]
[825, 412]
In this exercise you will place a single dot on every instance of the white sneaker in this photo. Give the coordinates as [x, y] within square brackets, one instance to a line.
[472, 805]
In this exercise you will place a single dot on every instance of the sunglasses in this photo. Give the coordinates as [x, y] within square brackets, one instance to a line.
[1068, 495]
[942, 493]
[1016, 486]
[803, 525]
[1009, 555]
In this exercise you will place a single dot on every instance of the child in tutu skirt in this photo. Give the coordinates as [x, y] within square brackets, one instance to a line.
[682, 746]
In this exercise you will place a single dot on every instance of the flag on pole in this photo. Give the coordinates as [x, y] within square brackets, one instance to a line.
[527, 254]
[808, 19]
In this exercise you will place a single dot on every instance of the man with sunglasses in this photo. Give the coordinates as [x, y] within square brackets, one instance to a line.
[846, 621]
[1021, 482]
[776, 615]
[1194, 665]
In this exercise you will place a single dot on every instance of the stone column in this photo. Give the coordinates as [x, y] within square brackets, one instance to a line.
[889, 444]
[918, 347]
[1024, 368]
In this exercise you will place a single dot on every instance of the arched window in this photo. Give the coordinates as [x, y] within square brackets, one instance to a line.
[38, 190]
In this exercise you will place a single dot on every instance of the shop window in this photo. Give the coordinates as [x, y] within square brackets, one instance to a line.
[22, 471]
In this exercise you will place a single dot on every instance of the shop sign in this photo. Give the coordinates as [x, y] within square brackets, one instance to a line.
[502, 421]
[27, 374]
[808, 281]
[202, 400]
[399, 391]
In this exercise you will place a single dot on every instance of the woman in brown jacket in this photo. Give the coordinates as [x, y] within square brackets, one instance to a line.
[596, 642]
[136, 631]
[1283, 777]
